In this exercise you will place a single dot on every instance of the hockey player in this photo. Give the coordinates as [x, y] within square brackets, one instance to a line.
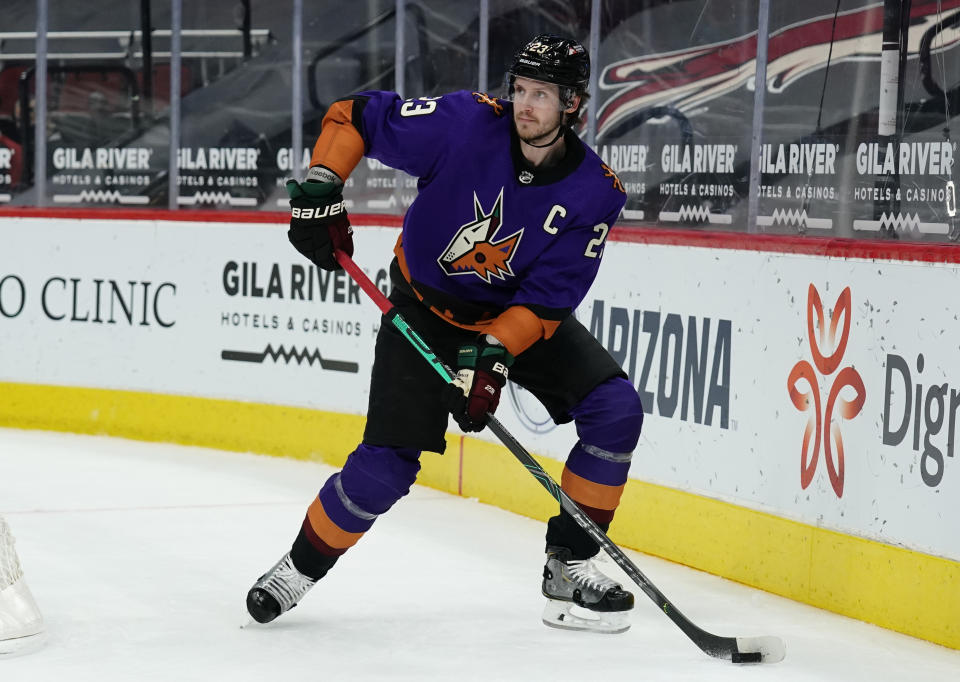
[499, 247]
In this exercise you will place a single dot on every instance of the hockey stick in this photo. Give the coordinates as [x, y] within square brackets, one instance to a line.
[766, 649]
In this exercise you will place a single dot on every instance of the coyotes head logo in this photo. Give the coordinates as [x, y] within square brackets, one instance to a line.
[473, 250]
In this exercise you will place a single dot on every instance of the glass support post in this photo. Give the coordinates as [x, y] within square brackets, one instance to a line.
[759, 93]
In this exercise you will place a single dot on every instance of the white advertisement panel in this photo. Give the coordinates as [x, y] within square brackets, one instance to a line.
[206, 309]
[824, 390]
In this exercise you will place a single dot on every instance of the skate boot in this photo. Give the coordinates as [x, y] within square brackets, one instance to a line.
[21, 626]
[277, 591]
[569, 583]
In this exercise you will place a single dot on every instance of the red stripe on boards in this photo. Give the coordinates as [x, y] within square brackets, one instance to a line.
[735, 241]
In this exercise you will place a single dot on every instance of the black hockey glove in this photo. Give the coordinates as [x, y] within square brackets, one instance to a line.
[318, 222]
[475, 391]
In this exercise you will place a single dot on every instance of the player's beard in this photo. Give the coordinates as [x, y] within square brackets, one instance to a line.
[538, 132]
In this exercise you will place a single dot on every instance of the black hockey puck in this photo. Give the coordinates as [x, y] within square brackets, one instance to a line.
[746, 657]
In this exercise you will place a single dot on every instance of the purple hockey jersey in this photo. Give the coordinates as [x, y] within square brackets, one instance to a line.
[487, 230]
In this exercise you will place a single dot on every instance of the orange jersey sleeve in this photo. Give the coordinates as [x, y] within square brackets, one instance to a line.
[340, 145]
[518, 328]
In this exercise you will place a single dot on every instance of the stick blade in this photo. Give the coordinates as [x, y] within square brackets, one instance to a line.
[759, 650]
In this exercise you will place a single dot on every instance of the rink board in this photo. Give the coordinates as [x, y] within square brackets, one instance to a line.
[216, 334]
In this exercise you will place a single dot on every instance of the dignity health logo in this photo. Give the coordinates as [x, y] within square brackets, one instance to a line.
[822, 340]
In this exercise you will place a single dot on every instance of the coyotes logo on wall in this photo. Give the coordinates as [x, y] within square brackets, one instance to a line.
[687, 79]
[821, 426]
[473, 249]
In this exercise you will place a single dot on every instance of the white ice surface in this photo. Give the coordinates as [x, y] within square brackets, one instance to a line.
[140, 556]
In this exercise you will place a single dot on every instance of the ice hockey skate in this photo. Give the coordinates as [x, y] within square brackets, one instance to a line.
[21, 627]
[277, 591]
[604, 606]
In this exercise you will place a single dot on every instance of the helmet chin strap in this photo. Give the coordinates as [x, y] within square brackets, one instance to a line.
[555, 138]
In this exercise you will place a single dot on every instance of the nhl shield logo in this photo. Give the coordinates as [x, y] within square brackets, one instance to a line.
[473, 249]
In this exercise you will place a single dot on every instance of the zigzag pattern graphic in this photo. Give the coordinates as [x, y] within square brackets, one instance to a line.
[203, 197]
[381, 204]
[696, 214]
[206, 198]
[794, 218]
[700, 213]
[100, 196]
[294, 353]
[900, 222]
[789, 216]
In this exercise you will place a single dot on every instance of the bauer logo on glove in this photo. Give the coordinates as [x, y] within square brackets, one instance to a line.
[318, 212]
[474, 393]
[319, 225]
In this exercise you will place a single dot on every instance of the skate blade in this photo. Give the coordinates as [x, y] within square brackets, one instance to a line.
[559, 614]
[21, 645]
